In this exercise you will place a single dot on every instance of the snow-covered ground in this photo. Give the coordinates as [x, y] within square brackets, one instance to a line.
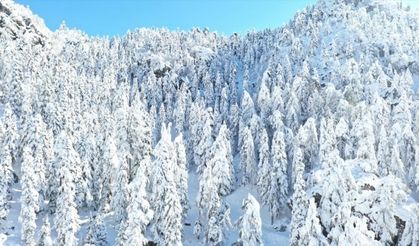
[416, 83]
[271, 236]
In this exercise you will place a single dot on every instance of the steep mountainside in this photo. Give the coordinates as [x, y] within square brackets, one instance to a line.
[159, 133]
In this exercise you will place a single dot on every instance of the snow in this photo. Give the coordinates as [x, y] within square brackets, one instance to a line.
[415, 78]
[12, 225]
[270, 235]
[191, 56]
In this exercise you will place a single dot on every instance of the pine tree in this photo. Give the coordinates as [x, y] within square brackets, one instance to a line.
[233, 126]
[247, 108]
[327, 141]
[85, 145]
[29, 199]
[39, 139]
[168, 228]
[390, 191]
[5, 174]
[396, 166]
[119, 187]
[339, 182]
[277, 102]
[311, 232]
[218, 220]
[247, 157]
[299, 200]
[181, 173]
[265, 167]
[411, 230]
[383, 152]
[275, 193]
[45, 238]
[308, 137]
[220, 162]
[204, 141]
[139, 136]
[250, 223]
[66, 217]
[363, 131]
[263, 100]
[96, 232]
[350, 228]
[167, 206]
[293, 110]
[10, 136]
[139, 212]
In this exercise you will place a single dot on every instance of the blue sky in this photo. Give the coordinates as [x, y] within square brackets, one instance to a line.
[115, 17]
[111, 17]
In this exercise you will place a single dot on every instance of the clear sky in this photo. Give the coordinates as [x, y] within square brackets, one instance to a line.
[115, 17]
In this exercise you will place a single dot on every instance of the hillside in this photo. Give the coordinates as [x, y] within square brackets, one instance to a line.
[307, 134]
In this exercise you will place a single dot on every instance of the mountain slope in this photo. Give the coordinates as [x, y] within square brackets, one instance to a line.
[317, 119]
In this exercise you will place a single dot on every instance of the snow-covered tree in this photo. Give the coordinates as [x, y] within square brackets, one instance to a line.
[342, 135]
[204, 141]
[247, 157]
[292, 116]
[181, 173]
[350, 228]
[168, 228]
[275, 191]
[96, 234]
[168, 211]
[40, 141]
[263, 100]
[411, 230]
[29, 198]
[327, 141]
[311, 232]
[10, 136]
[5, 174]
[66, 216]
[45, 238]
[299, 200]
[139, 136]
[265, 167]
[308, 138]
[139, 213]
[220, 162]
[218, 220]
[363, 131]
[338, 181]
[250, 224]
[383, 152]
[120, 159]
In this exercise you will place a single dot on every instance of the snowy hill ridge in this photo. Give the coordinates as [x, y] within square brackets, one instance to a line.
[307, 134]
[17, 21]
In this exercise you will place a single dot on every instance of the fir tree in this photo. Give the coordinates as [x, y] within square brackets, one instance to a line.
[139, 213]
[96, 233]
[5, 174]
[45, 238]
[29, 199]
[311, 232]
[247, 157]
[167, 205]
[66, 217]
[181, 173]
[299, 201]
[220, 162]
[250, 223]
